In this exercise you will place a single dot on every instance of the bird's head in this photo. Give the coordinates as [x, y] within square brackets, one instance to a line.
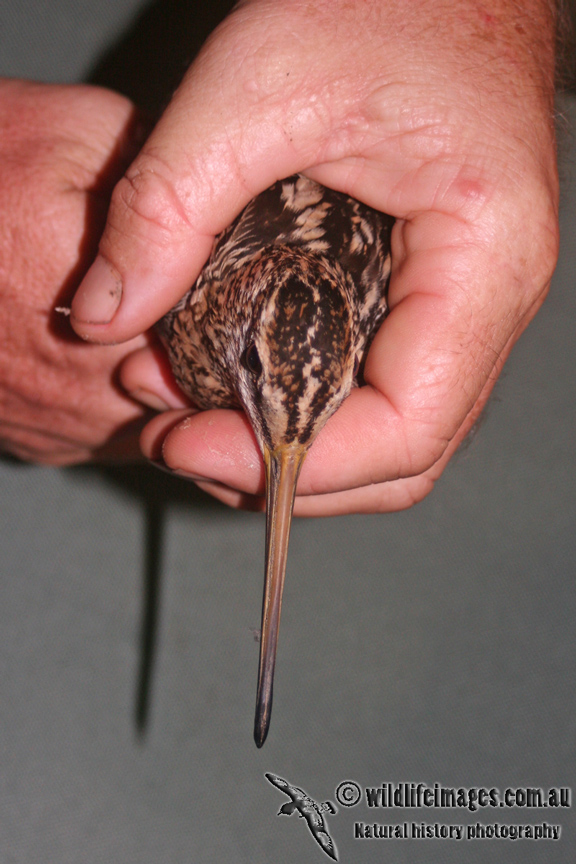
[294, 366]
[295, 363]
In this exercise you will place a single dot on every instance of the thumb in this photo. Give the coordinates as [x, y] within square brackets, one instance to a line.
[220, 142]
[163, 216]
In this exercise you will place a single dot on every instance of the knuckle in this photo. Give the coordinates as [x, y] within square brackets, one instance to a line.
[425, 455]
[548, 243]
[409, 492]
[537, 237]
[38, 449]
[147, 200]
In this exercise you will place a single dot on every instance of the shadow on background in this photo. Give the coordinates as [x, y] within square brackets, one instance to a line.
[146, 63]
[156, 492]
[150, 58]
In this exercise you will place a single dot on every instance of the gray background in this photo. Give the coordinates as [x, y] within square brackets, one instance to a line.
[434, 645]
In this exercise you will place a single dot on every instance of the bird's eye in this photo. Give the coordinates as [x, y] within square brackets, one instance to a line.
[251, 360]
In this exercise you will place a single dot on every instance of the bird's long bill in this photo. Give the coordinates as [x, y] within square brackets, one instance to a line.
[282, 470]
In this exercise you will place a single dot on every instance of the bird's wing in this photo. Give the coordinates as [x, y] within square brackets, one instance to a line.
[293, 792]
[327, 844]
[319, 832]
[291, 212]
[256, 227]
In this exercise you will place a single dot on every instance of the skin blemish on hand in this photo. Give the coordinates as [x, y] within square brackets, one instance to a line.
[487, 18]
[466, 196]
[470, 190]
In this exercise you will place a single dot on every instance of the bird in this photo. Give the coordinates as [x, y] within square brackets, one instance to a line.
[278, 324]
[309, 810]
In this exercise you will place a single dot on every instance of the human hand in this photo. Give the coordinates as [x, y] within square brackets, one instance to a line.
[61, 151]
[442, 117]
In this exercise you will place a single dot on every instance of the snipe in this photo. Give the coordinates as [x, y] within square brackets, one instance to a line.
[278, 323]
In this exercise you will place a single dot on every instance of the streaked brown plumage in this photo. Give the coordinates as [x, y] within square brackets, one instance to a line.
[278, 323]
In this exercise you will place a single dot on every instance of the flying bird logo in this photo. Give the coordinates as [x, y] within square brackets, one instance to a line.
[309, 810]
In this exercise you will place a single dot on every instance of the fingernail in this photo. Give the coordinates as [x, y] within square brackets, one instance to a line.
[99, 294]
[150, 399]
[159, 463]
[176, 472]
[187, 476]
